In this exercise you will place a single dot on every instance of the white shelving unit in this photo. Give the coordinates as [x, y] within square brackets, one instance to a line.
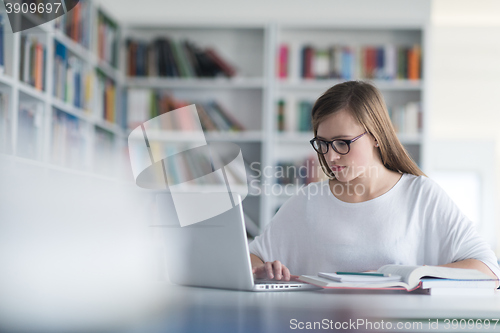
[251, 96]
[78, 150]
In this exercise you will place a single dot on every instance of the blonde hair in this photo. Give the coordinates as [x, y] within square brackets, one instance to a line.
[366, 104]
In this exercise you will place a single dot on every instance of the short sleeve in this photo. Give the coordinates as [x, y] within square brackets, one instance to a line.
[274, 242]
[455, 233]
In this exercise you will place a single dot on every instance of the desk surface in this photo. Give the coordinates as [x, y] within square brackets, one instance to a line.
[210, 310]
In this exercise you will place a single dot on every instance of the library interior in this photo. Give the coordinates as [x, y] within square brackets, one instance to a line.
[100, 101]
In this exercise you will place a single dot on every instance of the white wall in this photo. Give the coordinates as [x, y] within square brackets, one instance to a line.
[164, 11]
[464, 82]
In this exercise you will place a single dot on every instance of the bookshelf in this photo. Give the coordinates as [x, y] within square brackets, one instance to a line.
[237, 88]
[60, 95]
[81, 113]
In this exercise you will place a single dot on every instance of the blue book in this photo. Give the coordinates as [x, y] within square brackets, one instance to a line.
[380, 63]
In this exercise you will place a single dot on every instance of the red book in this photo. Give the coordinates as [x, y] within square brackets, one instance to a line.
[228, 70]
[38, 66]
[283, 62]
[309, 63]
[131, 63]
[76, 23]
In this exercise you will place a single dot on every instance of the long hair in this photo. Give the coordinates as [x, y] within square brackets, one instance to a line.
[366, 104]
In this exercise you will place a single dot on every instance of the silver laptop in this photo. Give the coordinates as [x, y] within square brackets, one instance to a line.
[213, 253]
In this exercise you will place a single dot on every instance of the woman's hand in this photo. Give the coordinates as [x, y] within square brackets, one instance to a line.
[273, 270]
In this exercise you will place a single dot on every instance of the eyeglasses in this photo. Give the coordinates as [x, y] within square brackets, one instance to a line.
[340, 146]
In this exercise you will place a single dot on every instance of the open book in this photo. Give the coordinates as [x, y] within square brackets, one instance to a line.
[410, 278]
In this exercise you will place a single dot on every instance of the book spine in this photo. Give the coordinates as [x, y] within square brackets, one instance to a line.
[283, 61]
[226, 68]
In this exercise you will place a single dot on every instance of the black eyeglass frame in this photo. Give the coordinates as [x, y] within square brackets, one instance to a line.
[330, 143]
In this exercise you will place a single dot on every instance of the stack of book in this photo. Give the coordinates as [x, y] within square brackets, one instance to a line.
[72, 83]
[192, 166]
[107, 38]
[105, 107]
[388, 62]
[76, 23]
[431, 280]
[294, 117]
[407, 119]
[146, 104]
[171, 58]
[32, 61]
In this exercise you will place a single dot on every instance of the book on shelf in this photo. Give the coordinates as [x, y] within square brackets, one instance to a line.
[168, 57]
[68, 142]
[294, 116]
[347, 62]
[407, 118]
[299, 172]
[145, 104]
[73, 83]
[76, 23]
[106, 99]
[283, 61]
[195, 166]
[107, 39]
[412, 278]
[32, 64]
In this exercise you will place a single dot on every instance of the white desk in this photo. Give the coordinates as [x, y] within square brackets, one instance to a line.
[211, 310]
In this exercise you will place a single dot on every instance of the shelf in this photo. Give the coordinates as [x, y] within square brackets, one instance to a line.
[106, 68]
[212, 83]
[293, 138]
[240, 189]
[75, 48]
[111, 127]
[83, 53]
[305, 137]
[6, 80]
[84, 115]
[322, 85]
[71, 109]
[32, 92]
[56, 167]
[180, 136]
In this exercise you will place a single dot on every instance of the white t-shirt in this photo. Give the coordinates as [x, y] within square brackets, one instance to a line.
[414, 223]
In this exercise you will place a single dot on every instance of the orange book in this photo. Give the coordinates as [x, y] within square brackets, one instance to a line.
[110, 102]
[38, 66]
[414, 63]
[100, 40]
[76, 23]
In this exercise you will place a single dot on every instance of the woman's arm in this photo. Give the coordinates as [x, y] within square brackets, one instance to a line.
[256, 261]
[270, 270]
[473, 264]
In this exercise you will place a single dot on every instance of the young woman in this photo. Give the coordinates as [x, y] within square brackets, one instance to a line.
[376, 208]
